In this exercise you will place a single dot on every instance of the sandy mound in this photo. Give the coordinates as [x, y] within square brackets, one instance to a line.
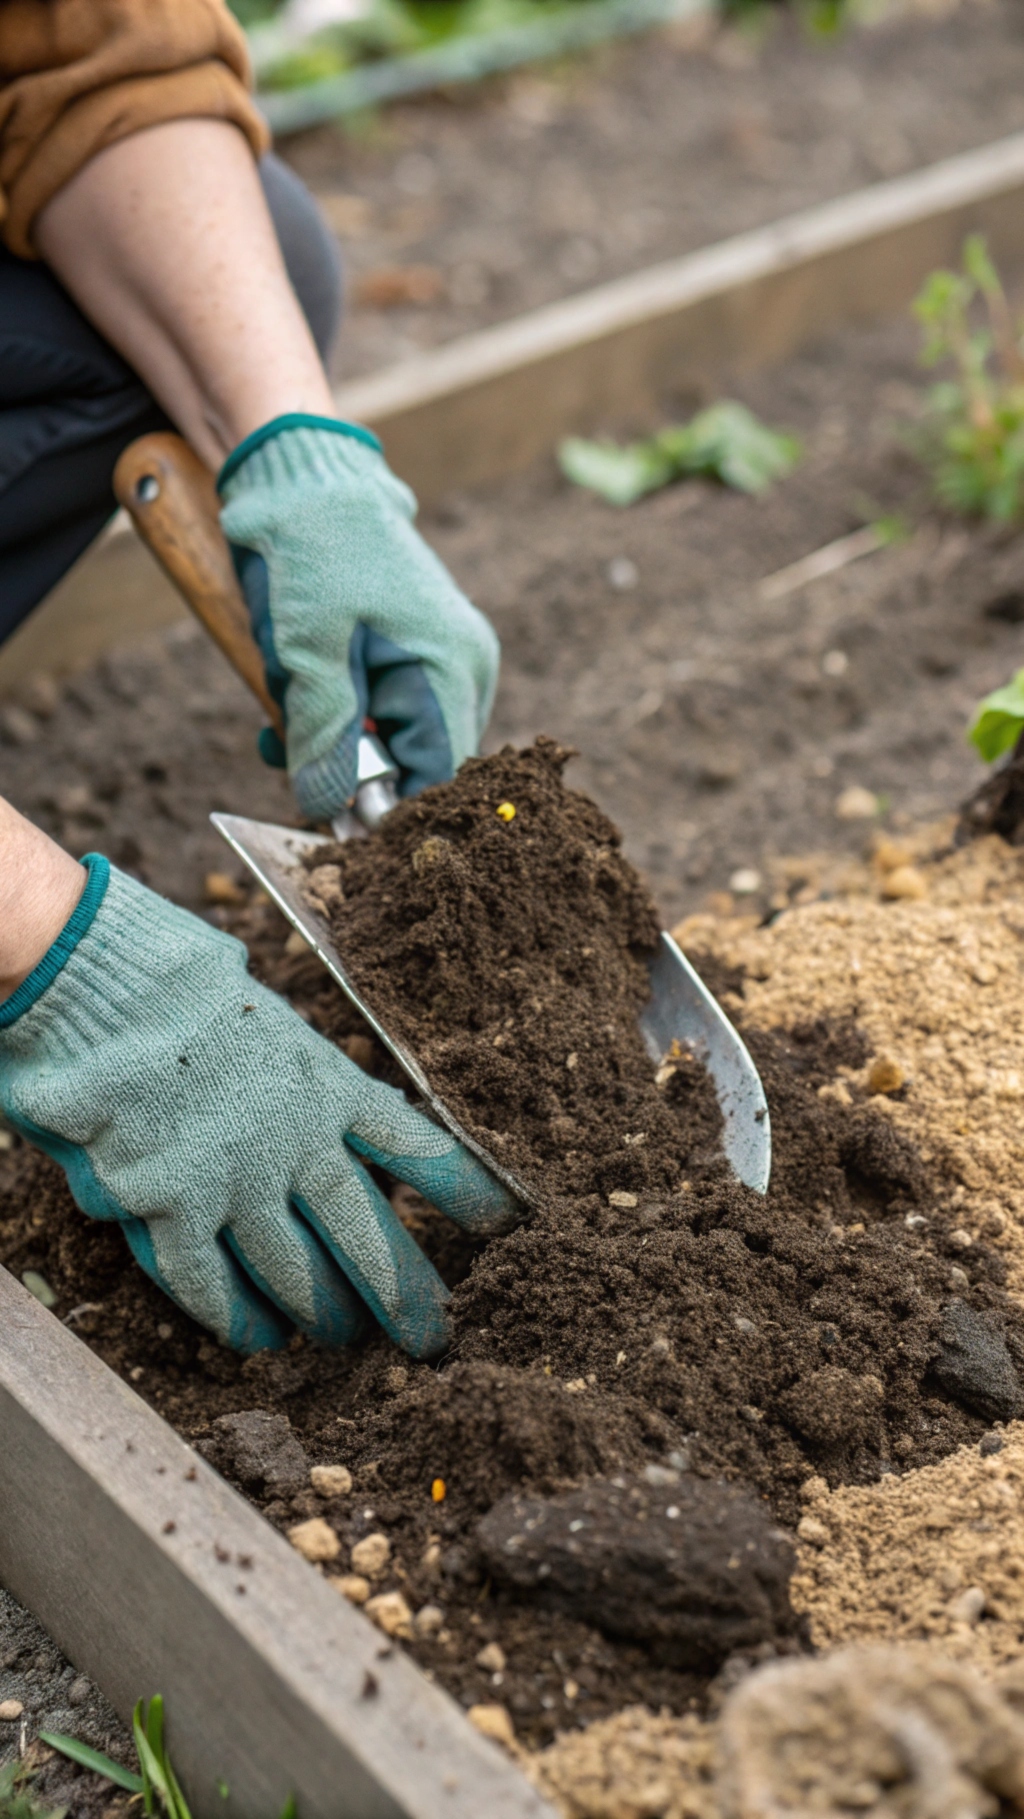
[925, 951]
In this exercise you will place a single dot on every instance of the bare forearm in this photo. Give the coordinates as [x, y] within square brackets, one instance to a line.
[40, 885]
[165, 241]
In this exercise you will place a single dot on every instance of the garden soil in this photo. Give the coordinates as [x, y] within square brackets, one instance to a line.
[631, 1335]
[460, 210]
[700, 1330]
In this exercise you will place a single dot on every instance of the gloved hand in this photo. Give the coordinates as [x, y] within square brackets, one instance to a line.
[194, 1106]
[354, 615]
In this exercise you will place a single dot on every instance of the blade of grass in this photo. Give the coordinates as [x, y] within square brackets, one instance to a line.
[87, 1757]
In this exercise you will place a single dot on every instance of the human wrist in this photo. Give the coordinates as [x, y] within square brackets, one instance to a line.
[52, 961]
[40, 888]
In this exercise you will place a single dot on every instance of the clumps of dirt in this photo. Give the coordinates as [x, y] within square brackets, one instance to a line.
[494, 925]
[936, 1556]
[692, 1568]
[884, 1730]
[681, 1326]
[780, 1336]
[934, 981]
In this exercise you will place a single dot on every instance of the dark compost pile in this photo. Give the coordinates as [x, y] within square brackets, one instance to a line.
[551, 1494]
[495, 926]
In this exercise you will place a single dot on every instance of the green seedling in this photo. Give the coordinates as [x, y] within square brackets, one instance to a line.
[158, 1785]
[999, 720]
[17, 1800]
[973, 437]
[87, 1757]
[726, 443]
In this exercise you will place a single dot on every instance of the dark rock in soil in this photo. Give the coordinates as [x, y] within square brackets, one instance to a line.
[259, 1450]
[974, 1366]
[692, 1570]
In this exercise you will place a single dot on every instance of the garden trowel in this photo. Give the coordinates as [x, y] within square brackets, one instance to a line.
[172, 500]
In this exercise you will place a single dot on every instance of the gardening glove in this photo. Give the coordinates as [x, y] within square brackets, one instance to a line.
[196, 1108]
[355, 617]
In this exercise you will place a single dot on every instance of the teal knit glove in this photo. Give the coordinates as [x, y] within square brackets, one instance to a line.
[354, 615]
[192, 1104]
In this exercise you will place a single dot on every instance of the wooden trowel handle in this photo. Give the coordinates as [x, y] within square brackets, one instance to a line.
[172, 500]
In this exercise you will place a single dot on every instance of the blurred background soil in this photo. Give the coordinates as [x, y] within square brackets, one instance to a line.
[720, 731]
[458, 210]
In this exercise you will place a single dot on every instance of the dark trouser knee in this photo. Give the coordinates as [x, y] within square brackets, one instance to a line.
[69, 404]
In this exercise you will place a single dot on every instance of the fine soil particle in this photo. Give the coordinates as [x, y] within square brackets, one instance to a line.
[931, 1557]
[699, 1329]
[494, 926]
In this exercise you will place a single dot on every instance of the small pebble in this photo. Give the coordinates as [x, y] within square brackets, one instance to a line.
[18, 727]
[622, 573]
[969, 1606]
[218, 887]
[492, 1658]
[371, 1555]
[745, 881]
[492, 1721]
[835, 663]
[989, 1444]
[742, 1324]
[331, 1480]
[961, 1239]
[315, 1540]
[905, 882]
[353, 1587]
[38, 1286]
[390, 1612]
[620, 1198]
[810, 1529]
[10, 1709]
[429, 1620]
[885, 1075]
[79, 1690]
[856, 804]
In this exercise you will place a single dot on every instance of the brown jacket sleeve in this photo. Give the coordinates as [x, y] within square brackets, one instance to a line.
[76, 75]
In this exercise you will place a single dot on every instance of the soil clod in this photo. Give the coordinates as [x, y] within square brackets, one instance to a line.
[692, 1571]
[974, 1366]
[259, 1450]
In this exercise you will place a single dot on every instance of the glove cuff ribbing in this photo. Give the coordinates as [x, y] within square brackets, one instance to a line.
[56, 958]
[291, 421]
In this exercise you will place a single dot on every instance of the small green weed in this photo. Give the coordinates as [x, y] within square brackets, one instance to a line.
[973, 438]
[998, 720]
[157, 1783]
[725, 442]
[17, 1800]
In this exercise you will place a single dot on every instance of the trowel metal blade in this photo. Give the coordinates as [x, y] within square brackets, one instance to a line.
[681, 1009]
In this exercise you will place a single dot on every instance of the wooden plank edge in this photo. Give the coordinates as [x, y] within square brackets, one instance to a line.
[131, 1551]
[488, 404]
